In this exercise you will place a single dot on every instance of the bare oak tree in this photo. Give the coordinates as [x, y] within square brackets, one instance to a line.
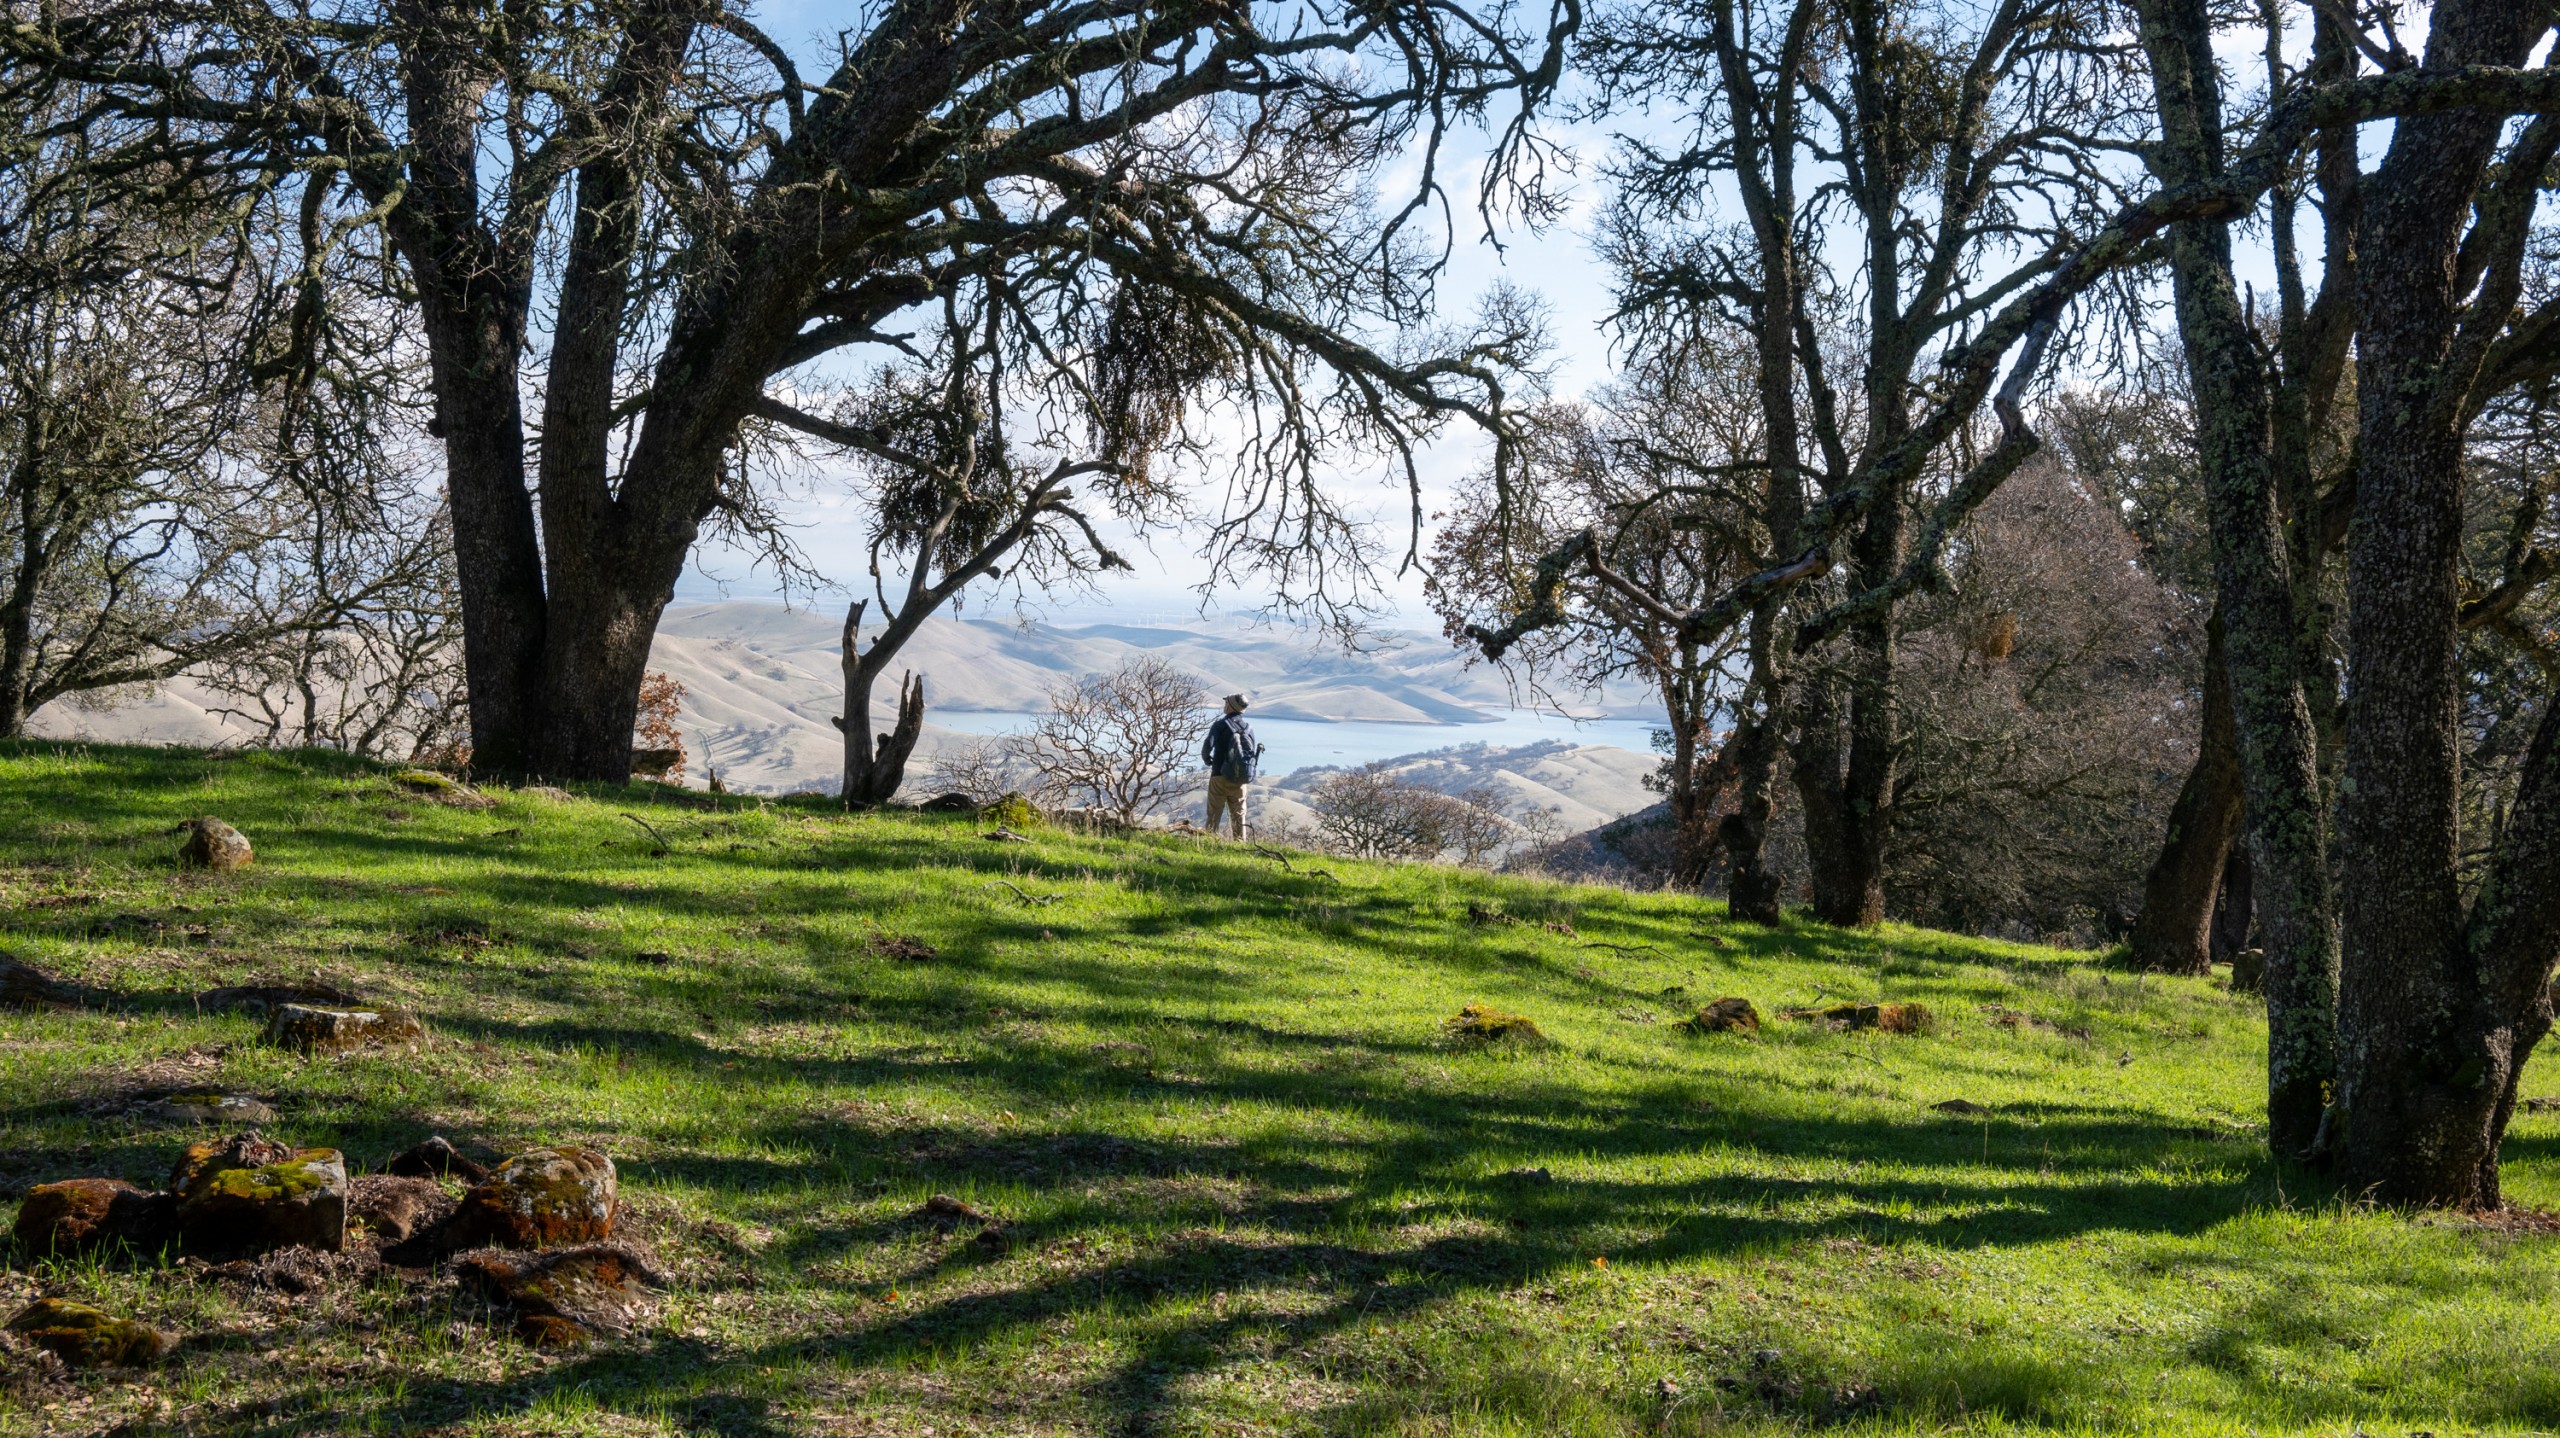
[624, 224]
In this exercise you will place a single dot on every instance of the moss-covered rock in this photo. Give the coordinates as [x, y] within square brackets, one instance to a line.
[248, 1194]
[539, 1198]
[1888, 1018]
[1485, 1024]
[86, 1337]
[312, 1030]
[79, 1215]
[1013, 811]
[1725, 1016]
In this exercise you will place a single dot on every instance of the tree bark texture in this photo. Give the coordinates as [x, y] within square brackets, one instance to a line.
[2272, 720]
[2235, 909]
[2437, 1016]
[2173, 934]
[874, 768]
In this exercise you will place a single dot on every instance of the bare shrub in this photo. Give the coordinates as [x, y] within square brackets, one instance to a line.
[983, 769]
[1121, 742]
[1375, 813]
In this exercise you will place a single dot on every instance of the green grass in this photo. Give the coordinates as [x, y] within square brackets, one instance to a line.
[1253, 1185]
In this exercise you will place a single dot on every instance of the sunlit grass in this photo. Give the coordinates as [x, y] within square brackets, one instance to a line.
[1249, 1183]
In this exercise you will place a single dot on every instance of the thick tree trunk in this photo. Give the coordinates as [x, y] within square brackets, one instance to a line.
[2279, 751]
[2174, 932]
[2434, 1025]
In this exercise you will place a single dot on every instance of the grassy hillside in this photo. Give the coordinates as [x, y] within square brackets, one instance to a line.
[1250, 1185]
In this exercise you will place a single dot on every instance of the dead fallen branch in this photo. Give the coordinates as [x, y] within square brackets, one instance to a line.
[1284, 863]
[664, 848]
[1622, 948]
[1034, 899]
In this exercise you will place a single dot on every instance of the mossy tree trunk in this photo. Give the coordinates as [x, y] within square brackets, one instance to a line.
[2272, 719]
[2440, 1009]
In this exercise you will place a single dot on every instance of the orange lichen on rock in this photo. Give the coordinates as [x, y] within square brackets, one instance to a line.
[538, 1198]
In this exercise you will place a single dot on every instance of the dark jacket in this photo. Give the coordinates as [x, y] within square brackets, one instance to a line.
[1230, 750]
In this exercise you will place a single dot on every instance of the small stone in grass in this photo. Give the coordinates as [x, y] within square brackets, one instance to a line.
[213, 844]
[943, 1208]
[320, 1031]
[1725, 1016]
[86, 1337]
[218, 1108]
[435, 1158]
[1961, 1106]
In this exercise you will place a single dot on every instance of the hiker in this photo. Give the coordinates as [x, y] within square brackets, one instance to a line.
[1232, 757]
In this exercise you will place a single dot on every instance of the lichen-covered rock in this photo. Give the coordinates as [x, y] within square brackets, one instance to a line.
[435, 1158]
[248, 1193]
[217, 1108]
[566, 1297]
[78, 1215]
[396, 1209]
[539, 1198]
[1485, 1024]
[314, 1030]
[264, 998]
[213, 844]
[86, 1337]
[1726, 1016]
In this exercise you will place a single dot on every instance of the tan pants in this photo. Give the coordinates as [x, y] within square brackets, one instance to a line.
[1226, 794]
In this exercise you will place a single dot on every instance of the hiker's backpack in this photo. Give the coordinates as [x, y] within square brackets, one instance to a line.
[1244, 761]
